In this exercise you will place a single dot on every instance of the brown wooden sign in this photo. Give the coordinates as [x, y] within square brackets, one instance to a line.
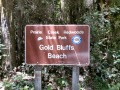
[57, 45]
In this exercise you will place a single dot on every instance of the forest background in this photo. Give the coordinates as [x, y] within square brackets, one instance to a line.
[103, 16]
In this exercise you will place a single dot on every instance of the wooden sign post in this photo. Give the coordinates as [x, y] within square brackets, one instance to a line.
[38, 79]
[57, 45]
[75, 78]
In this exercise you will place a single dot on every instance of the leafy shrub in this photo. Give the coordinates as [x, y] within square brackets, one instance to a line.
[105, 54]
[19, 81]
[19, 78]
[56, 79]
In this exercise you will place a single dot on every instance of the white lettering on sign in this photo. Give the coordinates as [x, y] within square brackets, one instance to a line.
[62, 37]
[50, 37]
[57, 56]
[35, 32]
[73, 32]
[48, 47]
[58, 47]
[53, 32]
[67, 47]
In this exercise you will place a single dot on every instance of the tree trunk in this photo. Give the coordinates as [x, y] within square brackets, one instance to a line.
[5, 38]
[11, 43]
[76, 10]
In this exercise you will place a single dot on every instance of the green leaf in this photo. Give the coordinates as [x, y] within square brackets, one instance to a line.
[112, 10]
[117, 61]
[49, 87]
[26, 87]
[96, 13]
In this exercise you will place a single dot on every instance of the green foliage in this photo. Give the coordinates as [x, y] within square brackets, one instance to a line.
[62, 82]
[17, 82]
[55, 78]
[105, 54]
[115, 3]
[19, 78]
[115, 87]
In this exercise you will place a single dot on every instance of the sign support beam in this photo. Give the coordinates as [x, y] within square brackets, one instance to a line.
[75, 78]
[38, 75]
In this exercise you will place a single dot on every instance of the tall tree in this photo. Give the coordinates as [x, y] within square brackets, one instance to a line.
[7, 27]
